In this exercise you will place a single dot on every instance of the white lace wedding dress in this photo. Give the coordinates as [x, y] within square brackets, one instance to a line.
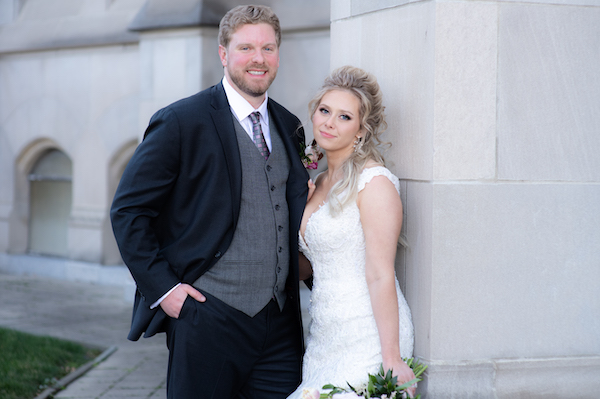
[343, 342]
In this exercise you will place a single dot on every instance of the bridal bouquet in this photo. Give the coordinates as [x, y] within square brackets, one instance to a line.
[381, 385]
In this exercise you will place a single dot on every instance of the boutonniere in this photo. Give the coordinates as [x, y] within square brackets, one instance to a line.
[310, 155]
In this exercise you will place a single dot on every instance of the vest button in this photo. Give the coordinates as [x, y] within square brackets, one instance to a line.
[280, 228]
[269, 168]
[276, 288]
[272, 188]
[280, 249]
[276, 207]
[278, 269]
[218, 254]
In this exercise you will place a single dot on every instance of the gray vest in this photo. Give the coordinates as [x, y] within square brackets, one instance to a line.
[255, 267]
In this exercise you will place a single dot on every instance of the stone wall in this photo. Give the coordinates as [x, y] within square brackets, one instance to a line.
[493, 113]
[85, 78]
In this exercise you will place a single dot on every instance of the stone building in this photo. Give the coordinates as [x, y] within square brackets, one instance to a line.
[493, 110]
[79, 82]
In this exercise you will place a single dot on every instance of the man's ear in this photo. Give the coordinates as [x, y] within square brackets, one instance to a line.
[223, 55]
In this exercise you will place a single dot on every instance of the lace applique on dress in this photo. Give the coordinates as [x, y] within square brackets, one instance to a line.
[343, 342]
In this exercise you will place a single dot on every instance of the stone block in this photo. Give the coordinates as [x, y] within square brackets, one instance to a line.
[175, 64]
[569, 378]
[417, 257]
[363, 7]
[555, 2]
[296, 48]
[465, 91]
[397, 46]
[340, 9]
[466, 380]
[515, 270]
[548, 95]
[85, 241]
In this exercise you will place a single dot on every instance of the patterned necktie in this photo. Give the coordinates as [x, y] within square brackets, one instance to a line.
[257, 135]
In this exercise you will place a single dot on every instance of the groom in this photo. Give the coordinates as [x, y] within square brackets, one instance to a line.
[207, 216]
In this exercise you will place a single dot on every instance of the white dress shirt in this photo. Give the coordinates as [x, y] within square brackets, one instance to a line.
[241, 109]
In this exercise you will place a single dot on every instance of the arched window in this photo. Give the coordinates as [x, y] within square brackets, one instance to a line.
[50, 204]
[117, 164]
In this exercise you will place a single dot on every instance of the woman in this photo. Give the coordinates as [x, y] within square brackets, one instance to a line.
[348, 238]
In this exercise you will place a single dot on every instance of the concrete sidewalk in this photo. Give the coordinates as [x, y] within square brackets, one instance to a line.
[91, 314]
[98, 315]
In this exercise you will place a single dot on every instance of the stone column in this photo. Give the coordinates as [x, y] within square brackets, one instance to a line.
[175, 63]
[493, 111]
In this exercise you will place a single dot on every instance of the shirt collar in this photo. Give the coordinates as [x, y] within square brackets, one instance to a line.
[240, 107]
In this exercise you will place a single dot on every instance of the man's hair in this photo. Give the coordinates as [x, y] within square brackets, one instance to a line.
[245, 15]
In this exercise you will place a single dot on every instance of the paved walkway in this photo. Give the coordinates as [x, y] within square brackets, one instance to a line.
[96, 315]
[90, 314]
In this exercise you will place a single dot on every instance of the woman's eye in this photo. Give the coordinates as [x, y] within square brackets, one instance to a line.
[345, 117]
[323, 111]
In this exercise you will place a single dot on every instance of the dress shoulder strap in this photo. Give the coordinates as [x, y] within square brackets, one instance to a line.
[369, 173]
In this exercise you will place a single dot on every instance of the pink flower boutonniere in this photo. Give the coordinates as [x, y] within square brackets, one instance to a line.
[310, 155]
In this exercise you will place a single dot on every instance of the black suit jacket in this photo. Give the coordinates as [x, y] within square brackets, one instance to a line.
[177, 205]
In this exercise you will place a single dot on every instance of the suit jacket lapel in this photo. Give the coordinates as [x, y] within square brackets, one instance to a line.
[296, 187]
[222, 119]
[287, 134]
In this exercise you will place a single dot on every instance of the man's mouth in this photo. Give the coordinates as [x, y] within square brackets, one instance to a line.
[257, 73]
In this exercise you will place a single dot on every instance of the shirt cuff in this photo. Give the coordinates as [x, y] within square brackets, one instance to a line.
[155, 304]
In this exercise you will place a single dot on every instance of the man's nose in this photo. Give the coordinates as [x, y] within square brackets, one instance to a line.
[258, 57]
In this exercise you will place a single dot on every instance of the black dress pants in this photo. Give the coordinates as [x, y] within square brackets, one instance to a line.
[216, 351]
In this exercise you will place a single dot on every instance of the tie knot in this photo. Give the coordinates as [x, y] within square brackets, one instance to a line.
[254, 117]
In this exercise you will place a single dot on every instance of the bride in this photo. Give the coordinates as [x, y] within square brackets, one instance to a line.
[348, 239]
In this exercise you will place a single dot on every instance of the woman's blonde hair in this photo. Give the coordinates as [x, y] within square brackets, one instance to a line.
[372, 123]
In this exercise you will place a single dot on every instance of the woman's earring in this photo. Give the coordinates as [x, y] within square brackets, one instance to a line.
[358, 143]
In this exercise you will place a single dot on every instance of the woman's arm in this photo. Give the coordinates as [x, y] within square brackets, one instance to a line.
[305, 267]
[381, 217]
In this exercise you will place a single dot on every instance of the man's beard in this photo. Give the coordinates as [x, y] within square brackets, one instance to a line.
[257, 90]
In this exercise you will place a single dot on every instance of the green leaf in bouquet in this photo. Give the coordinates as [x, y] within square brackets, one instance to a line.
[333, 391]
[408, 384]
[371, 385]
[351, 387]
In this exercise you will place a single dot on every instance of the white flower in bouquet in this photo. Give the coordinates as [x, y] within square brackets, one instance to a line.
[310, 393]
[346, 395]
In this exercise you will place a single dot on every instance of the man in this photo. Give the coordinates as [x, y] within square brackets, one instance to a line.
[207, 216]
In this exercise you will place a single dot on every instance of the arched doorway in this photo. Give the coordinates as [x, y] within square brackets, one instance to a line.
[50, 193]
[110, 250]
